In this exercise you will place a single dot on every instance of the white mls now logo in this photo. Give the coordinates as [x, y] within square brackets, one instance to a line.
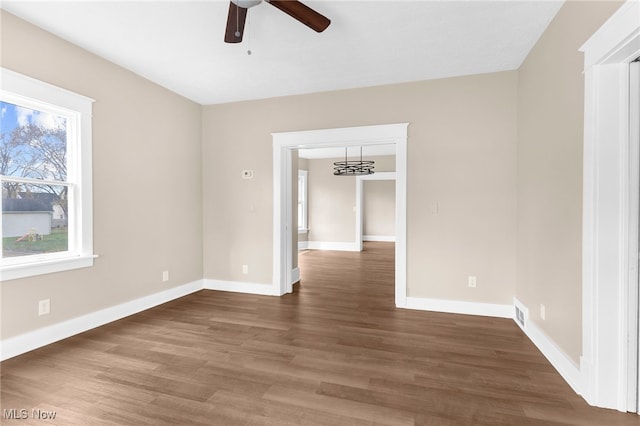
[24, 414]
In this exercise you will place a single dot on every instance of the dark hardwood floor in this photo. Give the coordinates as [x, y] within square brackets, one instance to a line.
[336, 352]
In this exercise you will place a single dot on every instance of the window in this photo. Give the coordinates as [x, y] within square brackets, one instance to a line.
[45, 171]
[302, 201]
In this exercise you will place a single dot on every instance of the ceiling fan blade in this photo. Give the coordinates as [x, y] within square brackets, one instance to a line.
[302, 13]
[235, 23]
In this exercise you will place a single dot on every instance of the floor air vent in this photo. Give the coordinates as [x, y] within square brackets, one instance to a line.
[520, 317]
[522, 313]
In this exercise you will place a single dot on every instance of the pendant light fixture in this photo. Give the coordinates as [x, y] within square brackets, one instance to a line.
[352, 167]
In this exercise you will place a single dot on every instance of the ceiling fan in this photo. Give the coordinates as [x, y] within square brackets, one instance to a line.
[297, 10]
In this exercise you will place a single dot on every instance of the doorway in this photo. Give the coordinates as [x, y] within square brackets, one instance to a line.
[284, 144]
[360, 181]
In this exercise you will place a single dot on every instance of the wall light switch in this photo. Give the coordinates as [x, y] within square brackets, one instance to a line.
[543, 312]
[165, 275]
[245, 269]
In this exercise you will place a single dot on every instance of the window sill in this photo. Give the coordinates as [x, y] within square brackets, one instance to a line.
[12, 272]
[303, 230]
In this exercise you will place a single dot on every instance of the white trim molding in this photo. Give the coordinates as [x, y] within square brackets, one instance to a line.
[332, 245]
[239, 287]
[556, 356]
[558, 359]
[383, 238]
[14, 346]
[295, 275]
[284, 143]
[606, 208]
[460, 307]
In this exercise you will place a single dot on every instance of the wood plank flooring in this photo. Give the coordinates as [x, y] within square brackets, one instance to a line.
[335, 352]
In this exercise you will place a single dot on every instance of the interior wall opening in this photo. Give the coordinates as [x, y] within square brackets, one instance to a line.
[340, 213]
[285, 146]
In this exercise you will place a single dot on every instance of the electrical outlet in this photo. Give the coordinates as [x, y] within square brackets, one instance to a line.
[543, 312]
[44, 307]
[245, 269]
[472, 281]
[165, 276]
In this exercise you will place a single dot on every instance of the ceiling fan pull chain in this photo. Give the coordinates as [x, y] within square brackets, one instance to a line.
[237, 20]
[249, 32]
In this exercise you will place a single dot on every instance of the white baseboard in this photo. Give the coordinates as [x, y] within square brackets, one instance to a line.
[460, 307]
[26, 342]
[571, 373]
[239, 287]
[556, 356]
[385, 238]
[295, 275]
[329, 245]
[303, 245]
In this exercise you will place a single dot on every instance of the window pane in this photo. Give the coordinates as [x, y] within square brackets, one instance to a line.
[34, 219]
[34, 143]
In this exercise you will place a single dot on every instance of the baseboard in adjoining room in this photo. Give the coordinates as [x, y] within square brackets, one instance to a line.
[380, 238]
[332, 245]
[239, 287]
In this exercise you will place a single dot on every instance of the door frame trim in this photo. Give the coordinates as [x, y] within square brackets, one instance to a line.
[285, 142]
[607, 200]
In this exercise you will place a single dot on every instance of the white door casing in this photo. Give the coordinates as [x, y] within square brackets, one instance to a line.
[633, 396]
[283, 143]
[606, 255]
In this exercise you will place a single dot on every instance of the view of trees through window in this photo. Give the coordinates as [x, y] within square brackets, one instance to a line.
[35, 190]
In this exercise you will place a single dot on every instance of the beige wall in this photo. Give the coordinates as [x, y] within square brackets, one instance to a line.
[332, 200]
[462, 155]
[550, 137]
[147, 184]
[379, 208]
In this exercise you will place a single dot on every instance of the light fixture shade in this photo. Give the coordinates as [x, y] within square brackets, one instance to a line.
[352, 167]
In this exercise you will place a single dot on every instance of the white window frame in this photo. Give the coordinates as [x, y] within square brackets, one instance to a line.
[16, 87]
[303, 222]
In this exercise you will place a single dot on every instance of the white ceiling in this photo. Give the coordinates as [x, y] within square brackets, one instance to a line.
[179, 44]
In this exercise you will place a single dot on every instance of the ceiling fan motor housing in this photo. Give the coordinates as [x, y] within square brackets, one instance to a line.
[297, 10]
[246, 3]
